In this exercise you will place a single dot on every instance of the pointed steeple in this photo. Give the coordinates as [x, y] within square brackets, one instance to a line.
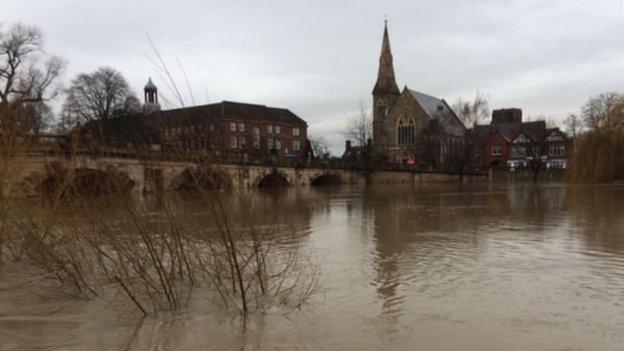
[386, 83]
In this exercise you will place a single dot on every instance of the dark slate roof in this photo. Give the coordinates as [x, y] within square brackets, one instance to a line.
[227, 109]
[143, 127]
[353, 154]
[440, 112]
[536, 131]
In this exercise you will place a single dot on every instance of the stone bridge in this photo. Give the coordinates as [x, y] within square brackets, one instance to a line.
[34, 174]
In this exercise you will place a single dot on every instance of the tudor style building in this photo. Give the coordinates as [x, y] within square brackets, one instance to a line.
[511, 143]
[410, 127]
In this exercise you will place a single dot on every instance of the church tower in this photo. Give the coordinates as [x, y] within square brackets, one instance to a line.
[385, 93]
[151, 97]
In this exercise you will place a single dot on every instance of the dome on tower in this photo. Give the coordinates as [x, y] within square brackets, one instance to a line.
[151, 97]
[150, 85]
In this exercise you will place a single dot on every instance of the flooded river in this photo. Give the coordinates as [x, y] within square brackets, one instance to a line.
[432, 267]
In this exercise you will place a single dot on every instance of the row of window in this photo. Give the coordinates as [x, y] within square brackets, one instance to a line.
[522, 152]
[272, 143]
[177, 131]
[554, 136]
[270, 129]
[553, 164]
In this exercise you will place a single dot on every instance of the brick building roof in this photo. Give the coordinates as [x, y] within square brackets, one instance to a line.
[146, 127]
[228, 109]
[536, 131]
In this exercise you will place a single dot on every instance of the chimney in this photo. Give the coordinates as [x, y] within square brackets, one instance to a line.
[348, 145]
[506, 116]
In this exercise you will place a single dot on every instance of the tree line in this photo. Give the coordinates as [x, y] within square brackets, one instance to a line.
[30, 79]
[598, 133]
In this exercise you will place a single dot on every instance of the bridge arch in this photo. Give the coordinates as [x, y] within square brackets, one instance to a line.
[202, 179]
[86, 182]
[326, 179]
[274, 179]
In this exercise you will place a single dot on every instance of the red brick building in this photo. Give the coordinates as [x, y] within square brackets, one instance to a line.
[225, 129]
[509, 142]
[233, 127]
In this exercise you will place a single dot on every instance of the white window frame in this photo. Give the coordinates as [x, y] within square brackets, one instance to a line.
[241, 127]
[233, 142]
[232, 126]
[521, 139]
[242, 142]
[557, 151]
[296, 146]
[515, 151]
[277, 129]
[554, 136]
[295, 131]
[278, 144]
[270, 129]
[497, 151]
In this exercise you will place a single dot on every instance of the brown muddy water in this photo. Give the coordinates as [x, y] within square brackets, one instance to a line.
[477, 267]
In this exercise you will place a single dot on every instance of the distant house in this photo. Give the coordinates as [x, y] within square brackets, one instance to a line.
[509, 142]
[223, 129]
[354, 154]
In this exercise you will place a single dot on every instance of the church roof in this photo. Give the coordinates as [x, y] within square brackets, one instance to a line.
[430, 104]
[439, 111]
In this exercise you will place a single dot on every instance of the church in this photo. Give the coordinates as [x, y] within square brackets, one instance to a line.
[412, 128]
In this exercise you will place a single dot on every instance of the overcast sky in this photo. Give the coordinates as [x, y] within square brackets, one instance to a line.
[319, 58]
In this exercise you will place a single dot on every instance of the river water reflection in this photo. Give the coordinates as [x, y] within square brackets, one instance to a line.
[432, 267]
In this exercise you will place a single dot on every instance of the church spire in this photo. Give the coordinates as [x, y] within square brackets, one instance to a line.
[386, 83]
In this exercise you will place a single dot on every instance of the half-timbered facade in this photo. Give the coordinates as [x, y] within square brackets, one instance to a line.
[509, 142]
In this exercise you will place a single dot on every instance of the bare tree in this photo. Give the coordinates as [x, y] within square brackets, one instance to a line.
[472, 112]
[27, 79]
[360, 127]
[574, 125]
[99, 95]
[597, 108]
[319, 146]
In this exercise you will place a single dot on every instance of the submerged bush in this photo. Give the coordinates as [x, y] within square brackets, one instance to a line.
[158, 259]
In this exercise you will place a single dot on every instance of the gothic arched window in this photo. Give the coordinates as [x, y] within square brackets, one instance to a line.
[405, 130]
